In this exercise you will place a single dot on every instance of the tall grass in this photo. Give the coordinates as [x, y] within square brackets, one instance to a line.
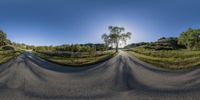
[76, 60]
[7, 55]
[173, 59]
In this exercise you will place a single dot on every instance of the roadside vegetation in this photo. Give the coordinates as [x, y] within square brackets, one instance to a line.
[173, 53]
[7, 51]
[85, 54]
[8, 55]
[172, 59]
[75, 55]
[79, 59]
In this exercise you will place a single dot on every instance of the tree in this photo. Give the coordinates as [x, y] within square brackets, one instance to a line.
[85, 49]
[105, 37]
[171, 42]
[116, 36]
[77, 48]
[93, 50]
[190, 39]
[3, 38]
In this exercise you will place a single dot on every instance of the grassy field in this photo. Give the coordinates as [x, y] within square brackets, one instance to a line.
[77, 60]
[171, 59]
[8, 55]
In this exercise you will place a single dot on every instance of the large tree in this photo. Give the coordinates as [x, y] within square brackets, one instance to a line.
[3, 38]
[190, 39]
[168, 42]
[116, 36]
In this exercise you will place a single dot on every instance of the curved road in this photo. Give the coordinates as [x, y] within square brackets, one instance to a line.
[121, 78]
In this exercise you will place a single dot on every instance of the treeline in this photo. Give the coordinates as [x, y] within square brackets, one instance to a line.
[3, 39]
[66, 47]
[5, 44]
[8, 45]
[189, 39]
[73, 50]
[73, 47]
[164, 43]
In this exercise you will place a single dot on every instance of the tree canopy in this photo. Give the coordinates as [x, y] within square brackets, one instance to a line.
[190, 39]
[116, 36]
[3, 39]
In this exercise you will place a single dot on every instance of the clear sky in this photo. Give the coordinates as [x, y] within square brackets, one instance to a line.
[53, 22]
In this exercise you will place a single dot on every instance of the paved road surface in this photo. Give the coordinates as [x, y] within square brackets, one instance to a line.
[121, 78]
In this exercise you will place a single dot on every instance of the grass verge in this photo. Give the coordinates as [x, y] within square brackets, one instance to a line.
[6, 56]
[170, 59]
[77, 61]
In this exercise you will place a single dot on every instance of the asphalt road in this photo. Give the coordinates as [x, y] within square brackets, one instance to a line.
[121, 78]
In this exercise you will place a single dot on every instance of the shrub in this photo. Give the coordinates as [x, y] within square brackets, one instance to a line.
[8, 47]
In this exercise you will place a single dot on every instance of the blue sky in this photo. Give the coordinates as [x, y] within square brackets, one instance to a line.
[54, 22]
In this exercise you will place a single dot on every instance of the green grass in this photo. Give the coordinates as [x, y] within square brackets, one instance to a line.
[77, 61]
[6, 56]
[171, 59]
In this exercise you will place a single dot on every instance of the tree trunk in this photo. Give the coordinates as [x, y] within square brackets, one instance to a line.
[117, 47]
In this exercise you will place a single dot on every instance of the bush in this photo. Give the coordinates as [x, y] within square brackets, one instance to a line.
[8, 48]
[163, 48]
[158, 47]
